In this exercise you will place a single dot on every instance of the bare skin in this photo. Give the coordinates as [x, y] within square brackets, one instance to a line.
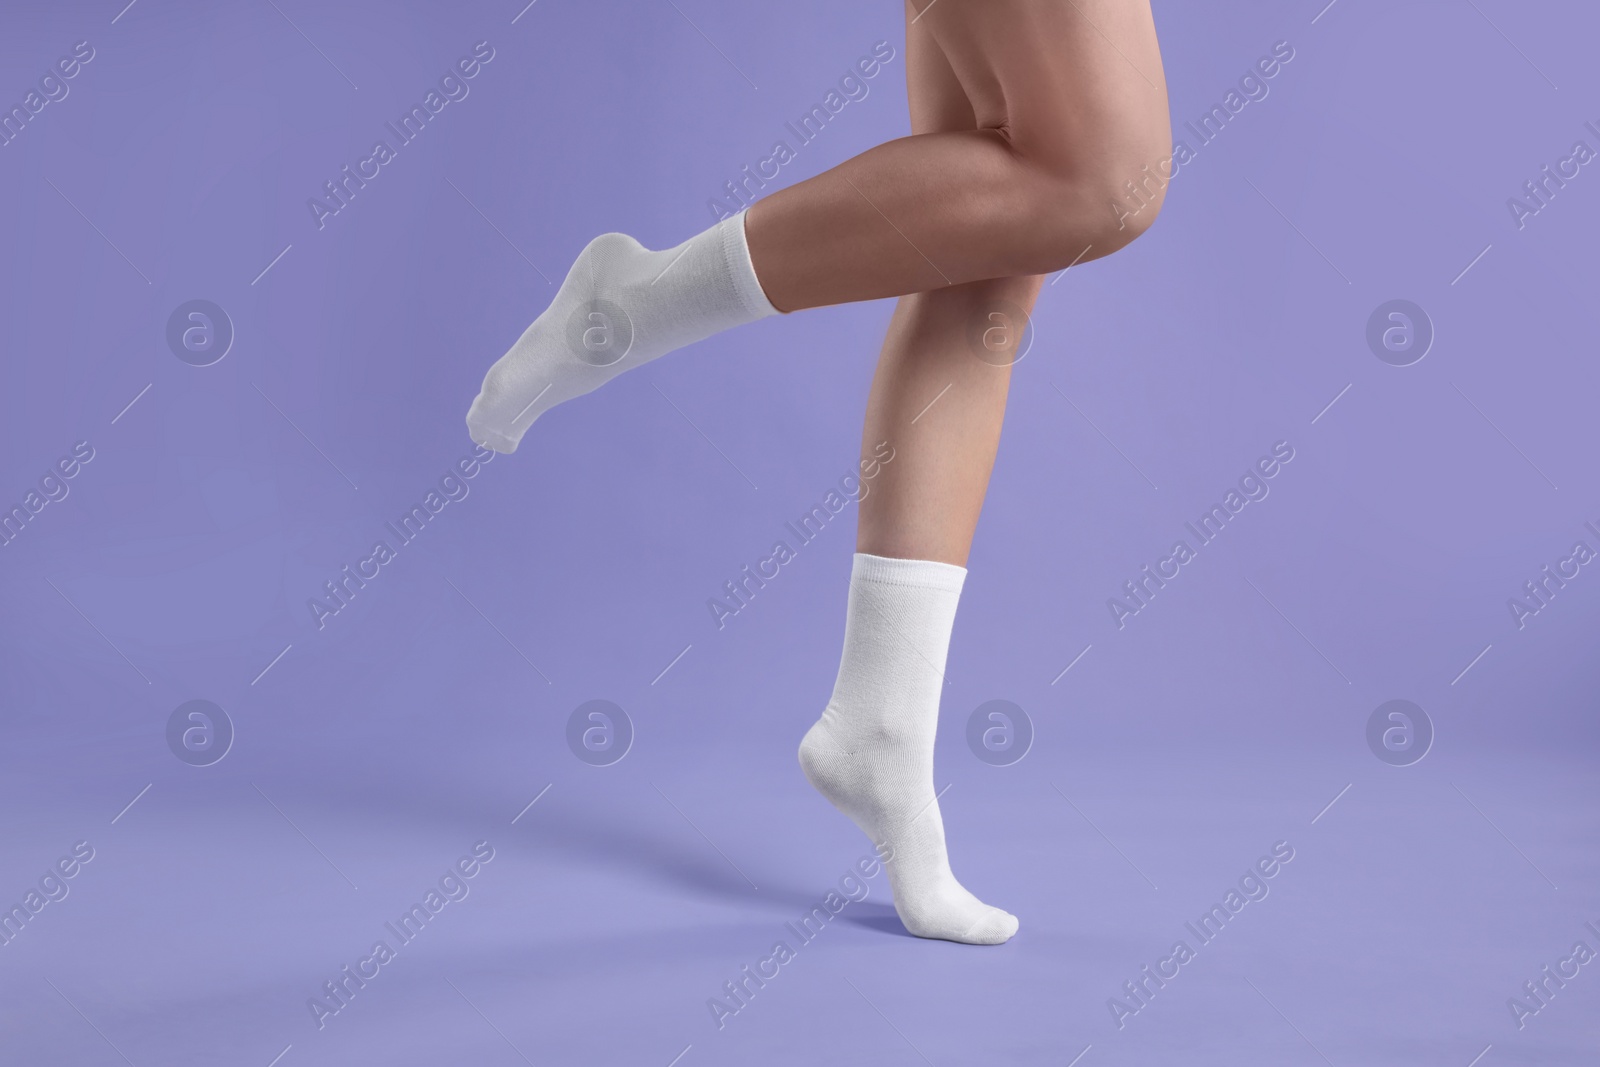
[1027, 117]
[940, 407]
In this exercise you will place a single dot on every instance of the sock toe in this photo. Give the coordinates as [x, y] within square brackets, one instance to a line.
[485, 429]
[995, 928]
[497, 442]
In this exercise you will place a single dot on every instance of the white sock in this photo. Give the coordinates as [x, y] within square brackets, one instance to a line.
[620, 306]
[871, 753]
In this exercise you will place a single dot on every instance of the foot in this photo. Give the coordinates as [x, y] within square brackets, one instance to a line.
[620, 306]
[884, 783]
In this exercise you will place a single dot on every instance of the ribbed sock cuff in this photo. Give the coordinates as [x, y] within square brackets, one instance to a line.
[742, 270]
[916, 573]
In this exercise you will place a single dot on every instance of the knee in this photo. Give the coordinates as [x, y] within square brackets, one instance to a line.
[1133, 197]
[1093, 208]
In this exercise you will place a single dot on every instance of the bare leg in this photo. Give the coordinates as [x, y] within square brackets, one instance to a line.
[1067, 103]
[1037, 125]
[938, 400]
[939, 394]
[939, 406]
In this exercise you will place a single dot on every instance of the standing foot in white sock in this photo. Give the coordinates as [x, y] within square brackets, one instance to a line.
[871, 753]
[620, 306]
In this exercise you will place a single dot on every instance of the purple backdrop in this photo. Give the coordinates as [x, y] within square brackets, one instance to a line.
[207, 883]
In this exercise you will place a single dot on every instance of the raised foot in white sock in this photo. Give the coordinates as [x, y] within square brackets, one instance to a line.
[871, 752]
[620, 306]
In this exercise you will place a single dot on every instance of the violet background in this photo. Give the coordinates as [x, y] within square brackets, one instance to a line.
[1175, 751]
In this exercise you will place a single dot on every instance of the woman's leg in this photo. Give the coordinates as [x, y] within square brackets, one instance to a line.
[939, 394]
[938, 398]
[937, 401]
[1068, 115]
[1069, 105]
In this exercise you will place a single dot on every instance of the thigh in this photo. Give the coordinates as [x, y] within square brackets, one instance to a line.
[1069, 83]
[939, 103]
[937, 100]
